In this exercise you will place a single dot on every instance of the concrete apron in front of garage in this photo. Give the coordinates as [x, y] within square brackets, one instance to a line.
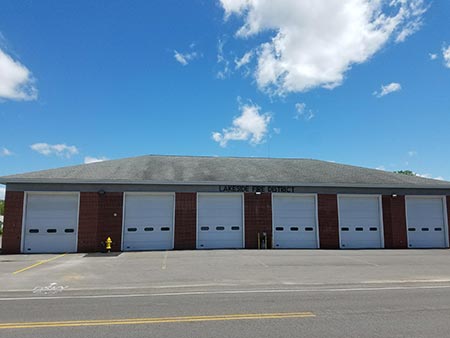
[220, 269]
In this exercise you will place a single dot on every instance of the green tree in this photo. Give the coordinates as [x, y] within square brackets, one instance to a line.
[405, 172]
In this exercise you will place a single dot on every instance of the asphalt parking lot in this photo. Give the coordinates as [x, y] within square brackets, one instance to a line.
[222, 268]
[358, 293]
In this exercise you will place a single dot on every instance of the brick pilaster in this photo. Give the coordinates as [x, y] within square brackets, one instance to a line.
[185, 220]
[258, 218]
[12, 225]
[328, 221]
[394, 220]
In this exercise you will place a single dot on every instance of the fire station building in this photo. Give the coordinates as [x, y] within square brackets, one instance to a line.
[180, 202]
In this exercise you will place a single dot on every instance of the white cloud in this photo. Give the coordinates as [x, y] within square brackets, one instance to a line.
[432, 56]
[412, 153]
[61, 150]
[277, 130]
[430, 176]
[89, 159]
[5, 152]
[249, 126]
[381, 167]
[185, 58]
[222, 61]
[16, 81]
[2, 192]
[180, 58]
[423, 175]
[302, 112]
[446, 55]
[388, 89]
[244, 60]
[413, 11]
[314, 43]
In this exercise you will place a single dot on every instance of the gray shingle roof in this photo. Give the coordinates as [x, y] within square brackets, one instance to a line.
[154, 169]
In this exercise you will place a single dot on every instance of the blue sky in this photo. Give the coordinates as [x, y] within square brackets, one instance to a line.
[366, 84]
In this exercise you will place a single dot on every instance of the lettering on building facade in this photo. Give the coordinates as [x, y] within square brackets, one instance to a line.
[256, 188]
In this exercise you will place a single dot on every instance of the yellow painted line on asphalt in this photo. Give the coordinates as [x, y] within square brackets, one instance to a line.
[38, 263]
[156, 320]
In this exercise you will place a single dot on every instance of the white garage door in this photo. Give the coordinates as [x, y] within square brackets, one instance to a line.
[426, 222]
[360, 225]
[294, 222]
[51, 223]
[219, 224]
[148, 222]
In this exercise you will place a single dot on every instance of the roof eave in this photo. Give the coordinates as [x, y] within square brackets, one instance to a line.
[4, 180]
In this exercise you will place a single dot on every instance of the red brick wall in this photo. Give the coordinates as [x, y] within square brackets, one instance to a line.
[12, 227]
[258, 218]
[394, 220]
[328, 221]
[448, 215]
[110, 203]
[185, 220]
[88, 222]
[97, 220]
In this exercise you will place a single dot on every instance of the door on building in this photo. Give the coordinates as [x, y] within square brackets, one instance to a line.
[294, 222]
[426, 220]
[51, 223]
[360, 224]
[148, 222]
[220, 221]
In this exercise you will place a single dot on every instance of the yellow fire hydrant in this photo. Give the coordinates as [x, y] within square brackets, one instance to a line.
[108, 243]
